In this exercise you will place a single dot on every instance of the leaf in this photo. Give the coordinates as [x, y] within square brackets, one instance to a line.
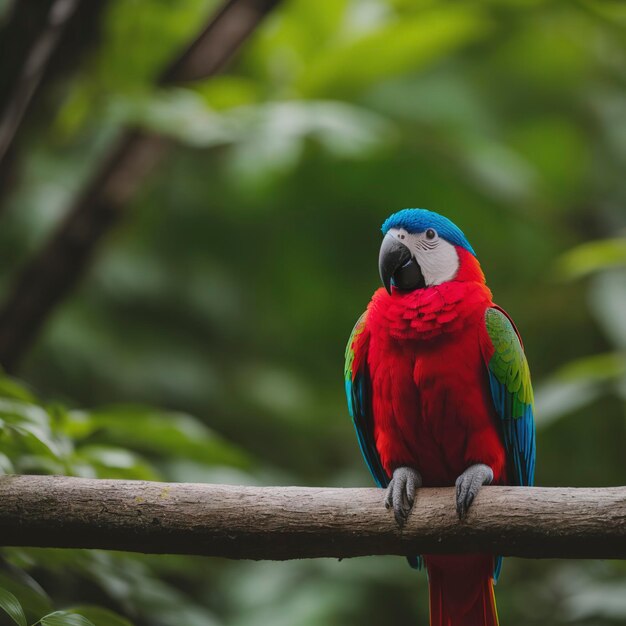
[556, 398]
[101, 616]
[6, 467]
[178, 113]
[10, 388]
[110, 456]
[227, 91]
[26, 589]
[168, 433]
[613, 11]
[18, 411]
[404, 45]
[65, 618]
[591, 257]
[576, 385]
[112, 462]
[598, 367]
[38, 440]
[11, 605]
[272, 136]
[607, 300]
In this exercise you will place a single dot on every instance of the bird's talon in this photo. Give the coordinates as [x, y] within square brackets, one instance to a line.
[401, 493]
[468, 484]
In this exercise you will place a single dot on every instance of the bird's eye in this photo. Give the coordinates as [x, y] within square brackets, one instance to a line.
[430, 234]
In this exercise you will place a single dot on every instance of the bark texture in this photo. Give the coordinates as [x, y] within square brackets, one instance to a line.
[280, 523]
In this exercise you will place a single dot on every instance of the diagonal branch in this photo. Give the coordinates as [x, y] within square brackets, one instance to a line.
[54, 271]
[280, 523]
[60, 14]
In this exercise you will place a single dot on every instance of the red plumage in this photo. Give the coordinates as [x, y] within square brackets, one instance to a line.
[432, 409]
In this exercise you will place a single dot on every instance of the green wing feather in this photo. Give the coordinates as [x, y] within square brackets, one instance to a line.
[512, 393]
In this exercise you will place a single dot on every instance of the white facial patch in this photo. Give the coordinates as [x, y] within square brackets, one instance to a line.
[437, 258]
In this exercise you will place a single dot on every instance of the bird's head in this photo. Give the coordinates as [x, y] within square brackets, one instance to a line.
[420, 249]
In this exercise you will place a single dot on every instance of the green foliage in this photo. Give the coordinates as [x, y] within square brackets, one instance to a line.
[228, 292]
[393, 47]
[11, 605]
[27, 592]
[578, 383]
[116, 442]
[65, 618]
[101, 617]
[592, 257]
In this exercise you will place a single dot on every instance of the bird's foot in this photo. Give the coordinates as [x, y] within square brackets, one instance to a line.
[468, 484]
[401, 492]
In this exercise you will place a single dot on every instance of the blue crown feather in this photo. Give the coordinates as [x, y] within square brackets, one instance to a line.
[419, 220]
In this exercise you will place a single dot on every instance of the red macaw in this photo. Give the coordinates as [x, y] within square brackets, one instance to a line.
[439, 390]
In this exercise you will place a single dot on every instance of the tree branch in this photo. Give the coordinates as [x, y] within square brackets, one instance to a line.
[54, 271]
[280, 523]
[42, 40]
[61, 12]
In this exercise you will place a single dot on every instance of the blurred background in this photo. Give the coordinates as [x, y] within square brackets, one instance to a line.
[184, 253]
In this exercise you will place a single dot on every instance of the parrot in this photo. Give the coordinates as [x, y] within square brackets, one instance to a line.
[439, 391]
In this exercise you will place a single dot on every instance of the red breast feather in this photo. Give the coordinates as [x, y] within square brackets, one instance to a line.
[431, 403]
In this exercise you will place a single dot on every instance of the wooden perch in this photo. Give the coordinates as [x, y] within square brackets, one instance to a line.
[281, 523]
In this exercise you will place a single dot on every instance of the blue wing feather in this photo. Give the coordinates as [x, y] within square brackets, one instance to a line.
[358, 392]
[511, 391]
[512, 395]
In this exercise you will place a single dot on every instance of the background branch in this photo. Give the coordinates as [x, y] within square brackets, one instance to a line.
[281, 523]
[56, 268]
[45, 41]
[60, 13]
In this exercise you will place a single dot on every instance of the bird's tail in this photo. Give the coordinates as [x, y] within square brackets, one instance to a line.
[461, 590]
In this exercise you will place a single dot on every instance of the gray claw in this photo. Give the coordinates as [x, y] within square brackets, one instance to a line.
[401, 492]
[468, 484]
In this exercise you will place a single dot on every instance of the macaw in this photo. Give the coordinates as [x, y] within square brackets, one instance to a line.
[439, 391]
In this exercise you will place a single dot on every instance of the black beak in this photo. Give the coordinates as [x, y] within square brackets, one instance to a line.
[397, 265]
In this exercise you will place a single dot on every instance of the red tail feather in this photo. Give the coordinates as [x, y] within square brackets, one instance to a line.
[461, 590]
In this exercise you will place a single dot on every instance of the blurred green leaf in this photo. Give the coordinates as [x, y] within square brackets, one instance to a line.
[11, 605]
[591, 257]
[18, 412]
[177, 113]
[228, 92]
[100, 616]
[607, 301]
[403, 45]
[576, 385]
[272, 136]
[65, 618]
[613, 10]
[6, 467]
[13, 389]
[167, 433]
[600, 367]
[110, 456]
[37, 440]
[114, 462]
[34, 600]
[268, 136]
